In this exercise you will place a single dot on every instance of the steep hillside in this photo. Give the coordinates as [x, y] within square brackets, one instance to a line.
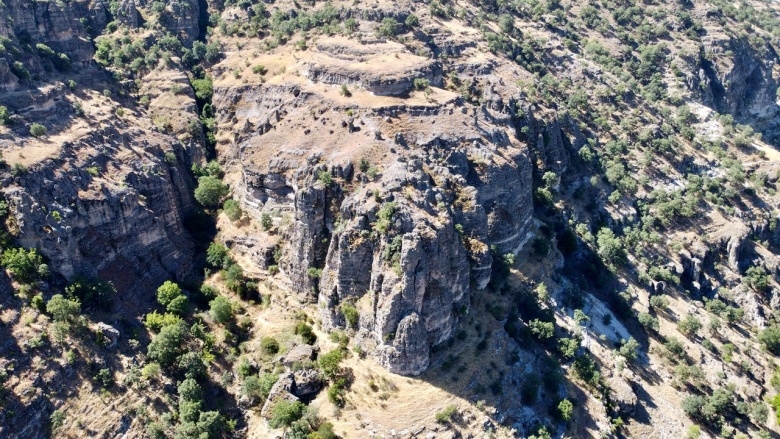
[390, 219]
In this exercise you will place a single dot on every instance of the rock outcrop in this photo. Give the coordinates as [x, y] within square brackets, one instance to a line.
[404, 242]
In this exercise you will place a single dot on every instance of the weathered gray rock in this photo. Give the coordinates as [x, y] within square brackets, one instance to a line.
[299, 354]
[622, 395]
[281, 391]
[307, 382]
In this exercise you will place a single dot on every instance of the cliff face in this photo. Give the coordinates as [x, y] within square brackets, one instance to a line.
[119, 220]
[120, 200]
[744, 85]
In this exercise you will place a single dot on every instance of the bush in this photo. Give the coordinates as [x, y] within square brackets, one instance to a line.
[210, 191]
[306, 332]
[269, 345]
[38, 130]
[4, 116]
[689, 325]
[770, 339]
[325, 177]
[57, 419]
[565, 409]
[350, 313]
[660, 302]
[232, 210]
[151, 371]
[447, 414]
[388, 28]
[285, 413]
[649, 322]
[23, 264]
[629, 350]
[259, 386]
[221, 309]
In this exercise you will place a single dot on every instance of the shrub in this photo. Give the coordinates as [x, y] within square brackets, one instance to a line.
[388, 28]
[350, 313]
[155, 321]
[269, 345]
[660, 302]
[56, 419]
[259, 69]
[4, 116]
[232, 210]
[204, 89]
[689, 325]
[565, 409]
[757, 278]
[770, 339]
[541, 329]
[92, 292]
[285, 413]
[151, 371]
[648, 321]
[411, 21]
[23, 264]
[259, 386]
[210, 191]
[446, 414]
[306, 332]
[629, 350]
[421, 84]
[38, 130]
[325, 177]
[221, 309]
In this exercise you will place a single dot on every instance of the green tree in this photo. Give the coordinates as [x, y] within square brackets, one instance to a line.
[610, 248]
[63, 309]
[167, 292]
[216, 254]
[330, 363]
[166, 346]
[210, 191]
[221, 309]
